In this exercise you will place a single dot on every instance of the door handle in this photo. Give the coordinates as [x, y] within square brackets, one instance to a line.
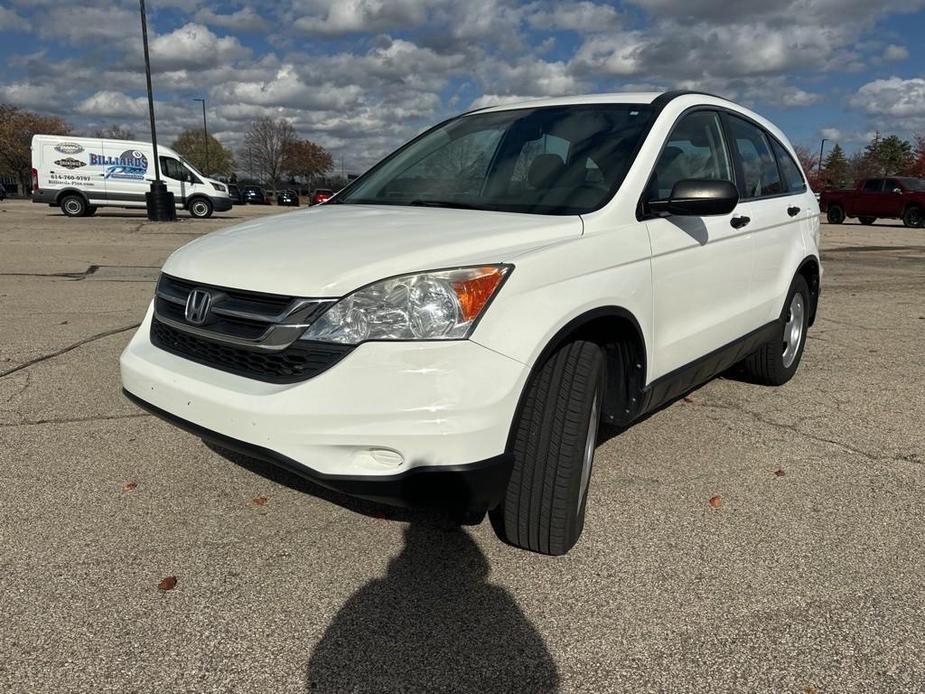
[793, 211]
[739, 222]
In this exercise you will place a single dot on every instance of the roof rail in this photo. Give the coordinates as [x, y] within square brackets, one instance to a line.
[663, 99]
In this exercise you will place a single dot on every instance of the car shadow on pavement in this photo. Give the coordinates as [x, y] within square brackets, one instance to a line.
[432, 623]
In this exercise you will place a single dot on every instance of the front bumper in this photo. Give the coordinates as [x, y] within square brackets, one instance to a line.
[221, 204]
[397, 422]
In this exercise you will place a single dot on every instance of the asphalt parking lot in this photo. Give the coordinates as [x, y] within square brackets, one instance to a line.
[809, 576]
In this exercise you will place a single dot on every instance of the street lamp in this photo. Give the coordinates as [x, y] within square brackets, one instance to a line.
[159, 201]
[821, 147]
[205, 134]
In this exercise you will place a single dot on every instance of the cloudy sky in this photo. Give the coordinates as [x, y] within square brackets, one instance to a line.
[361, 76]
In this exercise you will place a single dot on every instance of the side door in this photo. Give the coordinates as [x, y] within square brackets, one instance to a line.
[893, 202]
[870, 201]
[125, 170]
[775, 212]
[176, 177]
[700, 265]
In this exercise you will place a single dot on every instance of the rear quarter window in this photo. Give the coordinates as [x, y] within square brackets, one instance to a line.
[793, 179]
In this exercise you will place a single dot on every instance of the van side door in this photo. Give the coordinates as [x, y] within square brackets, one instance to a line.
[125, 172]
[700, 265]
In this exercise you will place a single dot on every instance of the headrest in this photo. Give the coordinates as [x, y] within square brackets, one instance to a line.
[544, 170]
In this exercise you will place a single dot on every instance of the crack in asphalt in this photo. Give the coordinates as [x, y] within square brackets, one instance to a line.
[66, 275]
[65, 350]
[793, 428]
[70, 420]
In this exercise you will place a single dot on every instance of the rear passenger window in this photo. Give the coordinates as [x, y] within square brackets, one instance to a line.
[874, 185]
[793, 179]
[695, 149]
[759, 167]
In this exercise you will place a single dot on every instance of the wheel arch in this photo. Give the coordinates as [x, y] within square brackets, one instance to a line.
[61, 194]
[620, 335]
[198, 196]
[809, 269]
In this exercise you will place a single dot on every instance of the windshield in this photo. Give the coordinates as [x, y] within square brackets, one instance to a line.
[916, 184]
[552, 160]
[191, 167]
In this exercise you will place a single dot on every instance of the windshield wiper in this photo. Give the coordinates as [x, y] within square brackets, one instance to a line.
[453, 204]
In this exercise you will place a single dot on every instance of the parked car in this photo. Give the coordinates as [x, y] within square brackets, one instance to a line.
[452, 333]
[255, 195]
[235, 194]
[288, 198]
[81, 174]
[321, 195]
[2, 192]
[896, 197]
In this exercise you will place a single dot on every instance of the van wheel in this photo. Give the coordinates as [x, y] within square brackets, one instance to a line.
[776, 361]
[835, 215]
[553, 441]
[913, 217]
[91, 210]
[200, 208]
[73, 205]
[867, 220]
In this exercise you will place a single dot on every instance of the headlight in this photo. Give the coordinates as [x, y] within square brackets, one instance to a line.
[441, 305]
[219, 187]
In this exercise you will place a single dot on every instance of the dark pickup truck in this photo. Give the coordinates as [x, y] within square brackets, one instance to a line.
[877, 198]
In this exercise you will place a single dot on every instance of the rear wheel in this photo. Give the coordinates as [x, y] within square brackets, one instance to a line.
[776, 361]
[73, 205]
[200, 208]
[867, 220]
[554, 438]
[835, 214]
[913, 217]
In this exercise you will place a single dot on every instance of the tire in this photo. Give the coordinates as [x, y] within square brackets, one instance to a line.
[73, 205]
[200, 208]
[913, 217]
[553, 440]
[91, 210]
[776, 361]
[835, 214]
[867, 220]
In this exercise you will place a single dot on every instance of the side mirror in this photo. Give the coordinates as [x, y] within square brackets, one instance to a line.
[699, 198]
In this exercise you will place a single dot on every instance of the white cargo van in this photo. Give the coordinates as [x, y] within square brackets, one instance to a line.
[80, 174]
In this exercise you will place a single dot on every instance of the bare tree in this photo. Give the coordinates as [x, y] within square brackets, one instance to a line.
[305, 159]
[266, 144]
[114, 132]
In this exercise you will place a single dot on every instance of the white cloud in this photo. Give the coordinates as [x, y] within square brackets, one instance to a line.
[10, 21]
[353, 16]
[245, 19]
[894, 97]
[575, 16]
[895, 53]
[194, 46]
[113, 104]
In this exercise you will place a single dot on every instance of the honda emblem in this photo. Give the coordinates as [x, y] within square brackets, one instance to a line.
[197, 306]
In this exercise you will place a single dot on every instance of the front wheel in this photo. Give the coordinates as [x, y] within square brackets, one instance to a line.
[835, 214]
[553, 442]
[776, 361]
[200, 208]
[913, 217]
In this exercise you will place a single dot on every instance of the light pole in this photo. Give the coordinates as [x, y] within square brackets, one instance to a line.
[205, 134]
[159, 201]
[821, 147]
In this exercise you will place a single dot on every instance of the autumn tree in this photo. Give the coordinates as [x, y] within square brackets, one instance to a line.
[305, 159]
[917, 167]
[836, 173]
[17, 127]
[266, 144]
[810, 163]
[206, 154]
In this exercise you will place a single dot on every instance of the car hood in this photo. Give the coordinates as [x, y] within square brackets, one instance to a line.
[330, 250]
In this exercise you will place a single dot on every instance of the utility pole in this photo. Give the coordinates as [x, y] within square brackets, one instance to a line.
[205, 136]
[159, 201]
[821, 147]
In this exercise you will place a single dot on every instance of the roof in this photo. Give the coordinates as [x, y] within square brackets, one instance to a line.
[657, 98]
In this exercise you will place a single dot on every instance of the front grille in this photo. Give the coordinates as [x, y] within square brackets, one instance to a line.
[298, 362]
[252, 334]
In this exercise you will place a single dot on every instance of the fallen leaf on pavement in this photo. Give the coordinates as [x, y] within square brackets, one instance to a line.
[261, 500]
[167, 583]
[130, 486]
[780, 473]
[715, 501]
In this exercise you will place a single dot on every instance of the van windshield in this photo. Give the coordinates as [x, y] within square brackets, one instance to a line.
[553, 160]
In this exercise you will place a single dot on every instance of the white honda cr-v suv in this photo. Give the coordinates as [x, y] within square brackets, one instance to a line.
[450, 329]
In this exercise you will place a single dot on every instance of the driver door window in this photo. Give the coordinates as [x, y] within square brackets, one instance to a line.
[172, 168]
[695, 149]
